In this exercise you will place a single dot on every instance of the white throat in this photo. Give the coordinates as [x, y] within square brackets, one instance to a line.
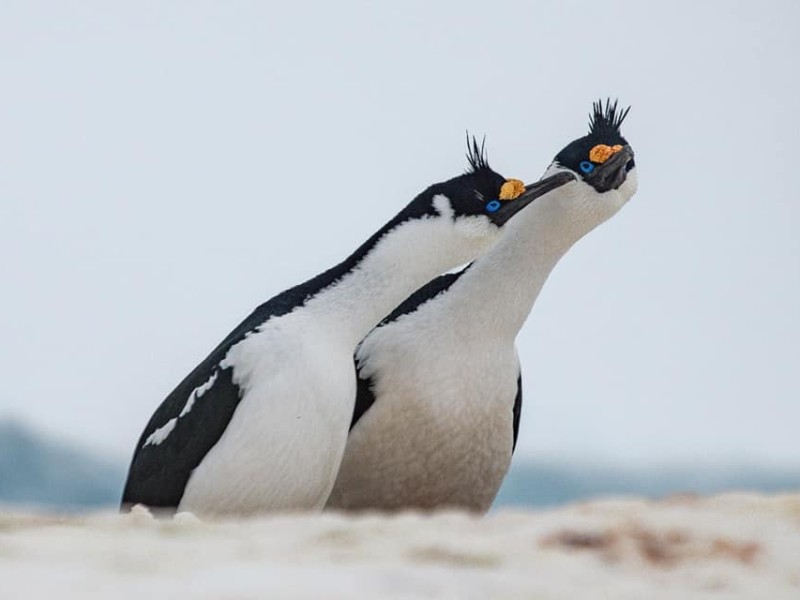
[502, 286]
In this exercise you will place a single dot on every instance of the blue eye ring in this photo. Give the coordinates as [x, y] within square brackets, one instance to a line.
[493, 206]
[586, 166]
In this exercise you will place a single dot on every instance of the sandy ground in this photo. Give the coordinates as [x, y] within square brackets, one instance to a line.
[730, 546]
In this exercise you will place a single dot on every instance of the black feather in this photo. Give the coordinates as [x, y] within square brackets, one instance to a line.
[604, 121]
[476, 155]
[516, 412]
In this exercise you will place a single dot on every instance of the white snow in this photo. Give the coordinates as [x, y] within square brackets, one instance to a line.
[732, 546]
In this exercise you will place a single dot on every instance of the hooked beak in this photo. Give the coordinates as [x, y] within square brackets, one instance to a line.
[612, 173]
[531, 193]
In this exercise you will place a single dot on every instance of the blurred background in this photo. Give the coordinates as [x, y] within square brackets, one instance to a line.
[165, 167]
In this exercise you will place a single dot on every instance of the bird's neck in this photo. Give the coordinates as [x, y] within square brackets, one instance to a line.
[352, 297]
[499, 290]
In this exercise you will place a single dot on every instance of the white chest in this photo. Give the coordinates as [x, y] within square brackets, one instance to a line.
[297, 392]
[441, 429]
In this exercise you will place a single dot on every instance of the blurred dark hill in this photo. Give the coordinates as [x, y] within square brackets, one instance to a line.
[546, 484]
[41, 472]
[36, 471]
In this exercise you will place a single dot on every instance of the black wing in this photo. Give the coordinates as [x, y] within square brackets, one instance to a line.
[365, 398]
[427, 292]
[159, 471]
[517, 411]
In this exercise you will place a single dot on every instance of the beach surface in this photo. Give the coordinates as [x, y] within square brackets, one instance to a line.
[727, 546]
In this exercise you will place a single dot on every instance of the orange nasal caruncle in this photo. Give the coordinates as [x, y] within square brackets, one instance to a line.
[601, 153]
[511, 189]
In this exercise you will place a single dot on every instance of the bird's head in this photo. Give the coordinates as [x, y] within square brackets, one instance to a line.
[476, 205]
[602, 163]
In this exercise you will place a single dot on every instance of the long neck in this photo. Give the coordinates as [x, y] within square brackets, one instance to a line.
[498, 290]
[352, 297]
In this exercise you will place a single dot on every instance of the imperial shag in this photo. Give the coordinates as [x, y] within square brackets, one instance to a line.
[439, 381]
[262, 422]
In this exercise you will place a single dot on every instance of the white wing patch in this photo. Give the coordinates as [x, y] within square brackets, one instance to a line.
[443, 206]
[197, 392]
[162, 433]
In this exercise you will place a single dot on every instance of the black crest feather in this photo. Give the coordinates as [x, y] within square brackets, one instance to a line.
[606, 120]
[476, 155]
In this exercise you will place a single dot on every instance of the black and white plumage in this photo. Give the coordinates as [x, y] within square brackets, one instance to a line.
[440, 387]
[262, 422]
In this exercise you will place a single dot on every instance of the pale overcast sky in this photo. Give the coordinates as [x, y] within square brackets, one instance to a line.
[167, 166]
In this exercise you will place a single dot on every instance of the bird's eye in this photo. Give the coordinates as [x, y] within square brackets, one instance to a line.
[586, 166]
[492, 206]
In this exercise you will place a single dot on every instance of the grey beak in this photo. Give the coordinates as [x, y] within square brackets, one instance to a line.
[531, 193]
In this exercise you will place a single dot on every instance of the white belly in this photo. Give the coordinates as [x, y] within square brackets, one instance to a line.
[439, 434]
[283, 446]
